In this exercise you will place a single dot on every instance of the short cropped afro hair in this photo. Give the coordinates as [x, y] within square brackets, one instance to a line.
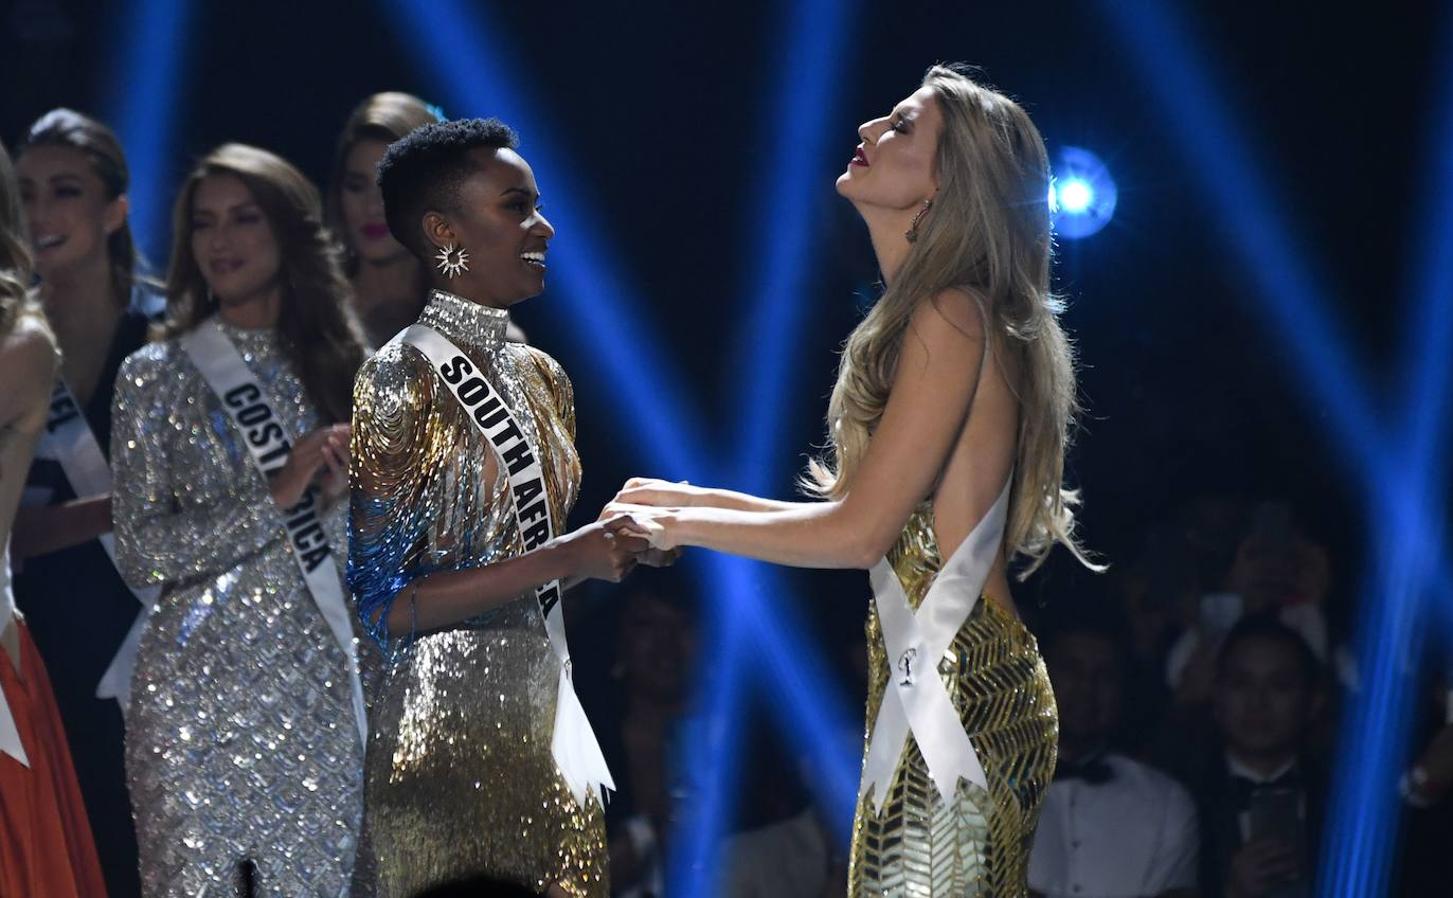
[424, 169]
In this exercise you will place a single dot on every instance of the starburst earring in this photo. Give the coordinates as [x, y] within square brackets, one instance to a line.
[453, 261]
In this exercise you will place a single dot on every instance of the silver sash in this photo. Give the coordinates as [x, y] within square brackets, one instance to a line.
[269, 445]
[69, 441]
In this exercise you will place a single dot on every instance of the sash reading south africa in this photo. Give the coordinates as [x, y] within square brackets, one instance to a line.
[68, 440]
[267, 441]
[573, 744]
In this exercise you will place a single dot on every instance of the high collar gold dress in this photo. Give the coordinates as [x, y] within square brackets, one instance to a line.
[460, 780]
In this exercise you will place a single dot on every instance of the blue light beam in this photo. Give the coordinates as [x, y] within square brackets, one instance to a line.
[146, 83]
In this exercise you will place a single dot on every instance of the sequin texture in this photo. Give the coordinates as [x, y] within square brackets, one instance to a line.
[977, 843]
[240, 740]
[460, 778]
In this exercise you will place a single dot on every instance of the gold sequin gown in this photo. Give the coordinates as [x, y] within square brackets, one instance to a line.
[977, 844]
[460, 780]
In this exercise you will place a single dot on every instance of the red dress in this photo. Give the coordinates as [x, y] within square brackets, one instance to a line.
[46, 847]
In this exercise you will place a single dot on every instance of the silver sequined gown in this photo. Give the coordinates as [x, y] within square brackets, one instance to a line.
[240, 739]
[461, 780]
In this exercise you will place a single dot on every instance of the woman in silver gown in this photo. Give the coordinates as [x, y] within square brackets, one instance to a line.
[243, 753]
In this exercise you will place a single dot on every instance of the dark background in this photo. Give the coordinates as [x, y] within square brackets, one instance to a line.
[664, 110]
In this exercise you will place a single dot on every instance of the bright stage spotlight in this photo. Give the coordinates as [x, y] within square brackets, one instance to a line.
[1083, 195]
[1075, 197]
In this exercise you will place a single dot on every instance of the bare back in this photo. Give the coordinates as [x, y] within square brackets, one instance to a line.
[982, 460]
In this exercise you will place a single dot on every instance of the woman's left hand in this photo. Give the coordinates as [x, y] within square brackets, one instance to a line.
[333, 475]
[655, 525]
[654, 492]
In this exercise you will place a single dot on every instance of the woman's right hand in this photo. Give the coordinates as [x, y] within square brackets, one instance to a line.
[605, 550]
[309, 455]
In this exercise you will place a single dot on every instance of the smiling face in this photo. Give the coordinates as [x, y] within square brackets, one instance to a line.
[232, 241]
[893, 167]
[66, 208]
[497, 220]
[361, 204]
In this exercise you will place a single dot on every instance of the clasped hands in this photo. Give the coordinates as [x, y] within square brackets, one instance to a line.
[648, 508]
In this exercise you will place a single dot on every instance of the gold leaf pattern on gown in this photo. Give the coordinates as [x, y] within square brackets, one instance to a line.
[977, 843]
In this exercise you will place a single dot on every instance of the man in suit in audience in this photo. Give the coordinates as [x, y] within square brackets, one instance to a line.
[1110, 827]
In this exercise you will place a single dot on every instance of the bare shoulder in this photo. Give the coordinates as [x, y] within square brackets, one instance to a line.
[28, 361]
[945, 333]
[952, 312]
[28, 351]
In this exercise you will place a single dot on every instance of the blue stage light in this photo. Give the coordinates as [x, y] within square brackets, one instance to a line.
[1083, 195]
[146, 81]
[1357, 846]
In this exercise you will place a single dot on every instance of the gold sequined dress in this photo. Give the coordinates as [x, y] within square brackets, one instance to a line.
[976, 844]
[460, 780]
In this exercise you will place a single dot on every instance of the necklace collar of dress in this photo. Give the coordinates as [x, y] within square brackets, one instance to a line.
[464, 321]
[250, 339]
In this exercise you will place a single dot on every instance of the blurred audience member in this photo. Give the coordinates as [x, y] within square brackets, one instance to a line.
[1427, 791]
[651, 677]
[1111, 826]
[1260, 794]
[1153, 594]
[784, 845]
[1277, 569]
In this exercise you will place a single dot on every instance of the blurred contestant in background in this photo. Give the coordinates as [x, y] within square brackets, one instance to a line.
[73, 186]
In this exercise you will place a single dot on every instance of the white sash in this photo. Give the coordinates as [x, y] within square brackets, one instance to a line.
[68, 440]
[10, 743]
[573, 744]
[916, 701]
[267, 441]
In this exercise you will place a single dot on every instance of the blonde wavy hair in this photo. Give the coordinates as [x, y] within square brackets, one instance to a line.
[17, 300]
[988, 232]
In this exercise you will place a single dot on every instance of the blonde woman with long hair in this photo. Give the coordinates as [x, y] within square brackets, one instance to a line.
[949, 424]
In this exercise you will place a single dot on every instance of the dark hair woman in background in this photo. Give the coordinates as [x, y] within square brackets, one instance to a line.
[389, 284]
[73, 188]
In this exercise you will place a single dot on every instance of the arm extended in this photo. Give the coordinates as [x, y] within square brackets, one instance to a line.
[937, 377]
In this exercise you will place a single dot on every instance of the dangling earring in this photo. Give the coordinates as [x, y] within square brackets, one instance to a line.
[453, 261]
[912, 232]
